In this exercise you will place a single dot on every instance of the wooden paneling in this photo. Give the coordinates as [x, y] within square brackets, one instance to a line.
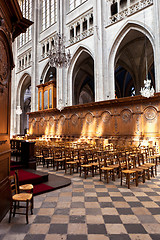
[127, 117]
[12, 24]
[5, 197]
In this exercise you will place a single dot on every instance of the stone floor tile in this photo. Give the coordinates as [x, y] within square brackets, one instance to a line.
[129, 219]
[115, 229]
[55, 237]
[94, 219]
[39, 228]
[14, 236]
[42, 219]
[97, 237]
[152, 228]
[58, 228]
[93, 211]
[147, 219]
[135, 228]
[141, 211]
[121, 204]
[112, 219]
[79, 228]
[60, 219]
[96, 229]
[77, 237]
[77, 219]
[77, 211]
[46, 211]
[34, 237]
[93, 205]
[140, 237]
[119, 237]
[109, 211]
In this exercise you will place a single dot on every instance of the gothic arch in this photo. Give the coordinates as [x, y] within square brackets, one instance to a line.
[80, 53]
[45, 73]
[23, 85]
[123, 32]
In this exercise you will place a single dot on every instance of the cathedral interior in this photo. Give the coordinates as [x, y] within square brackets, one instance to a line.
[80, 112]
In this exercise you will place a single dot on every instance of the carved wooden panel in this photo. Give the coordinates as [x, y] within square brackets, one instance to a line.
[128, 117]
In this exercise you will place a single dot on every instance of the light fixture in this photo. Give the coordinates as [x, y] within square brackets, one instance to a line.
[57, 55]
[18, 110]
[147, 90]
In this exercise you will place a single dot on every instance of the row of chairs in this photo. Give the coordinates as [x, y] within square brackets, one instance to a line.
[130, 163]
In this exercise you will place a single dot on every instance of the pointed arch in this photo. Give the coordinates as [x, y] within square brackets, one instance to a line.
[70, 79]
[122, 33]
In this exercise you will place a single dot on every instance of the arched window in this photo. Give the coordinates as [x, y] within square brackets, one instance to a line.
[26, 8]
[49, 13]
[114, 8]
[75, 3]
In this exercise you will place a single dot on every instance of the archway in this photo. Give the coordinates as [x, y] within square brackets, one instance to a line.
[51, 74]
[24, 90]
[83, 79]
[133, 59]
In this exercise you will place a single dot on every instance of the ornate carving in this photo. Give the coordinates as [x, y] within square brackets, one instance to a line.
[130, 10]
[4, 66]
[74, 119]
[41, 122]
[126, 115]
[106, 117]
[62, 120]
[150, 113]
[51, 121]
[33, 122]
[3, 142]
[89, 118]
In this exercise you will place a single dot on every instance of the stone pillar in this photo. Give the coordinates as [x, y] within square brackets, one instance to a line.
[156, 6]
[98, 50]
[34, 79]
[13, 96]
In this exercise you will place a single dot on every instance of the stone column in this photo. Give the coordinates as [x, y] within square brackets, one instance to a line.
[34, 79]
[98, 50]
[156, 6]
[13, 93]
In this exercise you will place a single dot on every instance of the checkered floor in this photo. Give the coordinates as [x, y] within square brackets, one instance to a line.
[90, 210]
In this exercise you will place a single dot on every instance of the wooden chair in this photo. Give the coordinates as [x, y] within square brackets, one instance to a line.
[28, 188]
[145, 167]
[69, 161]
[59, 159]
[47, 159]
[17, 198]
[127, 173]
[105, 169]
[140, 171]
[83, 164]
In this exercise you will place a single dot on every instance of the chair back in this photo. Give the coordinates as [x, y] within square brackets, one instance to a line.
[13, 184]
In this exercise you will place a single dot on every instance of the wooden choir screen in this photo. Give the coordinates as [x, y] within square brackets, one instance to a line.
[134, 117]
[47, 95]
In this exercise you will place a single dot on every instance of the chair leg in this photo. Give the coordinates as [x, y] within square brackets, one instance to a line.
[32, 206]
[128, 180]
[10, 213]
[100, 174]
[27, 212]
[121, 178]
[143, 176]
[136, 179]
[14, 209]
[107, 177]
